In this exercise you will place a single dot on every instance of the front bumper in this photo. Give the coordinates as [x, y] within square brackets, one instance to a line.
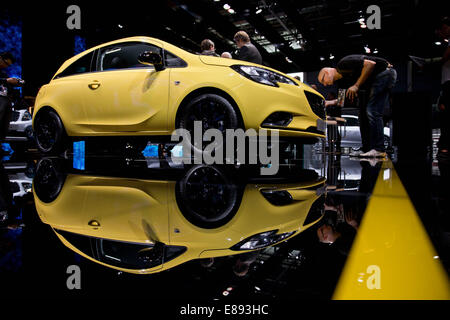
[314, 128]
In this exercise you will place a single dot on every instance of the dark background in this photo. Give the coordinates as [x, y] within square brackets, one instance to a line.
[328, 27]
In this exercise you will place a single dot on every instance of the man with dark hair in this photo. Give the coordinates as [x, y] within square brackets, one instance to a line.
[6, 59]
[247, 51]
[208, 48]
[374, 75]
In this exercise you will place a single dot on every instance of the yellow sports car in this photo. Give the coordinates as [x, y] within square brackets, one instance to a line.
[145, 86]
[146, 226]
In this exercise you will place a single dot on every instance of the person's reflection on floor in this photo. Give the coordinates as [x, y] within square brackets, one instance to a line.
[369, 174]
[241, 265]
[243, 262]
[342, 217]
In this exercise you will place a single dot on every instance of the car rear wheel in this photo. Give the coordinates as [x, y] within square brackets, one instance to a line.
[49, 132]
[48, 180]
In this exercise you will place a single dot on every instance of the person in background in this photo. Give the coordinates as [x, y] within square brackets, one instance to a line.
[247, 51]
[6, 59]
[444, 101]
[226, 55]
[377, 76]
[208, 48]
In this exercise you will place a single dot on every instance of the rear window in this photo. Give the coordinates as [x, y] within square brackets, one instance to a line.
[82, 65]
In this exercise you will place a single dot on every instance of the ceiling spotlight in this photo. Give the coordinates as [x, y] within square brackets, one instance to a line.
[288, 60]
[438, 43]
[120, 26]
[231, 11]
[367, 49]
[226, 6]
[375, 50]
[361, 20]
[322, 59]
[363, 26]
[331, 57]
[258, 10]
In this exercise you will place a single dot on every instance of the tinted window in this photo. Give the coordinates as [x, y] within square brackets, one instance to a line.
[81, 65]
[173, 61]
[124, 56]
[352, 122]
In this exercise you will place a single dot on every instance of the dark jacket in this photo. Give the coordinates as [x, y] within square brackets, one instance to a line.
[4, 86]
[209, 53]
[250, 53]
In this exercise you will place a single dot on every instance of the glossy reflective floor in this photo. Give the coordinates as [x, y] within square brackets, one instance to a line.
[136, 224]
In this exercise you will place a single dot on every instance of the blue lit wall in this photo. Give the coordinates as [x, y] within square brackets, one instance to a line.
[11, 40]
[80, 45]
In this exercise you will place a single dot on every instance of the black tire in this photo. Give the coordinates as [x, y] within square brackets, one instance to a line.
[213, 110]
[49, 132]
[48, 180]
[207, 197]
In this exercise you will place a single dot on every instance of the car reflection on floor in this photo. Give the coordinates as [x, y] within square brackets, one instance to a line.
[146, 226]
[134, 193]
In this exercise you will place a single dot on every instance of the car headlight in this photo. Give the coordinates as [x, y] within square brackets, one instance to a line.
[26, 116]
[262, 75]
[261, 240]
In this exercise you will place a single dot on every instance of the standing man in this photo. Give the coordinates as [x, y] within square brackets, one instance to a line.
[208, 48]
[6, 59]
[376, 76]
[444, 100]
[247, 51]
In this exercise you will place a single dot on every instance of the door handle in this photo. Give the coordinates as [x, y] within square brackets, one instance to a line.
[94, 85]
[94, 223]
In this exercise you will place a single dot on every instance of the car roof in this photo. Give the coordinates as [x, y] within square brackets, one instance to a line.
[167, 46]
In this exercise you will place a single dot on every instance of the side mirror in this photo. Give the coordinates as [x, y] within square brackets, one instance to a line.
[152, 58]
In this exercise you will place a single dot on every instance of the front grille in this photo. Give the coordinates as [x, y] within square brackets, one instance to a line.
[15, 115]
[317, 104]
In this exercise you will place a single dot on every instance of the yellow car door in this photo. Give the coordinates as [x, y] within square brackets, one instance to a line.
[125, 95]
[129, 210]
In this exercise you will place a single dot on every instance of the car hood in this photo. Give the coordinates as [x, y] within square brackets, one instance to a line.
[218, 61]
[225, 62]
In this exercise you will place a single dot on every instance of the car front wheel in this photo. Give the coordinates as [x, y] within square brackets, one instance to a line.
[213, 112]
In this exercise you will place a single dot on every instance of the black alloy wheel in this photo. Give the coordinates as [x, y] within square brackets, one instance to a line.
[48, 180]
[49, 132]
[214, 112]
[207, 197]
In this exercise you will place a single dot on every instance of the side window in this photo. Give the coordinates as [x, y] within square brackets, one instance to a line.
[82, 65]
[123, 56]
[352, 122]
[172, 61]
